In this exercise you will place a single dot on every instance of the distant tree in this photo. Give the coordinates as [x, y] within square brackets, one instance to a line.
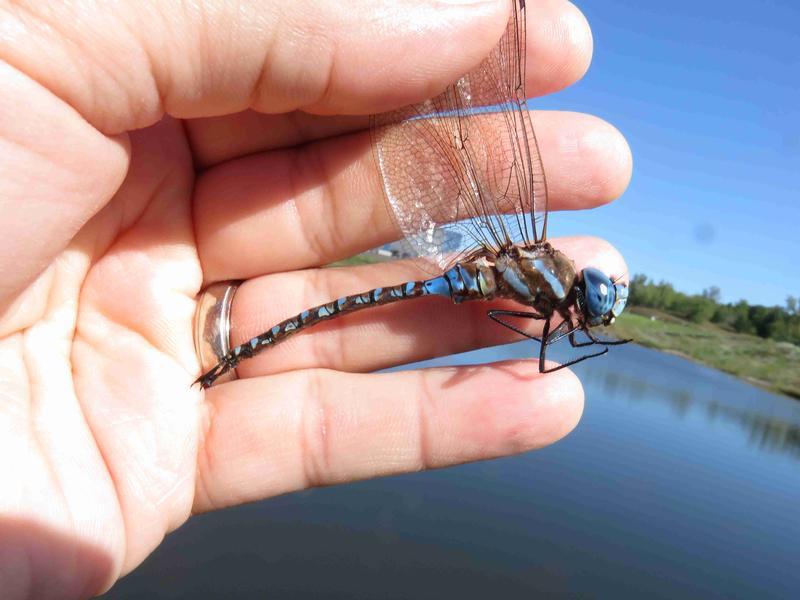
[723, 314]
[775, 322]
[700, 309]
[665, 296]
[766, 320]
[638, 292]
[741, 318]
[792, 331]
[791, 305]
[678, 304]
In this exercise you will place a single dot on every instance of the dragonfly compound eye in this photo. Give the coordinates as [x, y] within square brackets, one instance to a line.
[600, 295]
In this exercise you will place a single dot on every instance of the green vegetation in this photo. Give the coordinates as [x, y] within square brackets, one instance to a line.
[358, 259]
[757, 343]
[767, 363]
[781, 324]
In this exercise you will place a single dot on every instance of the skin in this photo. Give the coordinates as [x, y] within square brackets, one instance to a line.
[151, 148]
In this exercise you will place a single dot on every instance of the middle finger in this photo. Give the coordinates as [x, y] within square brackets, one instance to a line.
[305, 207]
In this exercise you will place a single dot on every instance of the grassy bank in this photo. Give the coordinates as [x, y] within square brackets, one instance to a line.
[769, 364]
[359, 259]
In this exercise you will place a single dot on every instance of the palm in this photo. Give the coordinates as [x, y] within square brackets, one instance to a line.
[109, 464]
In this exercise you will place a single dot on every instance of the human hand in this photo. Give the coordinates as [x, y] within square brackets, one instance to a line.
[115, 216]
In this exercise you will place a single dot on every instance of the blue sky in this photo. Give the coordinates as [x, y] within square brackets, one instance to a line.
[708, 95]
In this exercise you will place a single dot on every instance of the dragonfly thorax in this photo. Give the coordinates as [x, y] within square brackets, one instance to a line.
[539, 276]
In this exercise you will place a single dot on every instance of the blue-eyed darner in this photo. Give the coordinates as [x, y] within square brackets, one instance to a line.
[464, 181]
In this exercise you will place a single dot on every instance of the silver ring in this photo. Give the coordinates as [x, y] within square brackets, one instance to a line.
[212, 325]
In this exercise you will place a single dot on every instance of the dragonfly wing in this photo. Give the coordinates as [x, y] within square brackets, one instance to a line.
[461, 171]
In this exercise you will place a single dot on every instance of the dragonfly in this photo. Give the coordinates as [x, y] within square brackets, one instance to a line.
[464, 181]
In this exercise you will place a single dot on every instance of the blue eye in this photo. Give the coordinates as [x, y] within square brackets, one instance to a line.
[599, 294]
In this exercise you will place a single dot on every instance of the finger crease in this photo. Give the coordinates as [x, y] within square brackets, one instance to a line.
[326, 90]
[308, 160]
[266, 68]
[205, 454]
[315, 433]
[425, 460]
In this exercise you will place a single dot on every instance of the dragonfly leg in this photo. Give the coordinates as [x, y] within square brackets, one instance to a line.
[495, 315]
[573, 342]
[602, 342]
[576, 344]
[565, 328]
[570, 363]
[543, 347]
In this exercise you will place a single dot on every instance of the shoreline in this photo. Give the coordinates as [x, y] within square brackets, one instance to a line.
[769, 365]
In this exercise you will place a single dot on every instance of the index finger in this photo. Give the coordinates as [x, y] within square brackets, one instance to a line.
[558, 49]
[193, 59]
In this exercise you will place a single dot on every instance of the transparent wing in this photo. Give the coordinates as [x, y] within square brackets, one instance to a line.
[461, 171]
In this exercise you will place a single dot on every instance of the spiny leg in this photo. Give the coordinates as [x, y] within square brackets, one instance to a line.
[564, 329]
[543, 349]
[573, 362]
[602, 342]
[544, 341]
[549, 337]
[576, 344]
[496, 313]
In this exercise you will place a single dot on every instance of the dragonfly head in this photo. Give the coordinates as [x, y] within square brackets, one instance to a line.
[600, 299]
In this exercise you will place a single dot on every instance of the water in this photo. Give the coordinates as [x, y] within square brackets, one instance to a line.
[679, 482]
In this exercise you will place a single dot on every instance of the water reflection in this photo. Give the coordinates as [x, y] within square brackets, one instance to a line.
[641, 376]
[764, 431]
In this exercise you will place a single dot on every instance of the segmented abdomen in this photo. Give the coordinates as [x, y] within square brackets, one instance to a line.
[462, 282]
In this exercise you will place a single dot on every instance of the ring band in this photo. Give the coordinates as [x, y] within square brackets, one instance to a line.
[212, 325]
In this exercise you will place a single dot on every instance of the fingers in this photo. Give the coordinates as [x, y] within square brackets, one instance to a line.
[138, 59]
[217, 58]
[278, 434]
[312, 205]
[559, 49]
[379, 337]
[214, 58]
